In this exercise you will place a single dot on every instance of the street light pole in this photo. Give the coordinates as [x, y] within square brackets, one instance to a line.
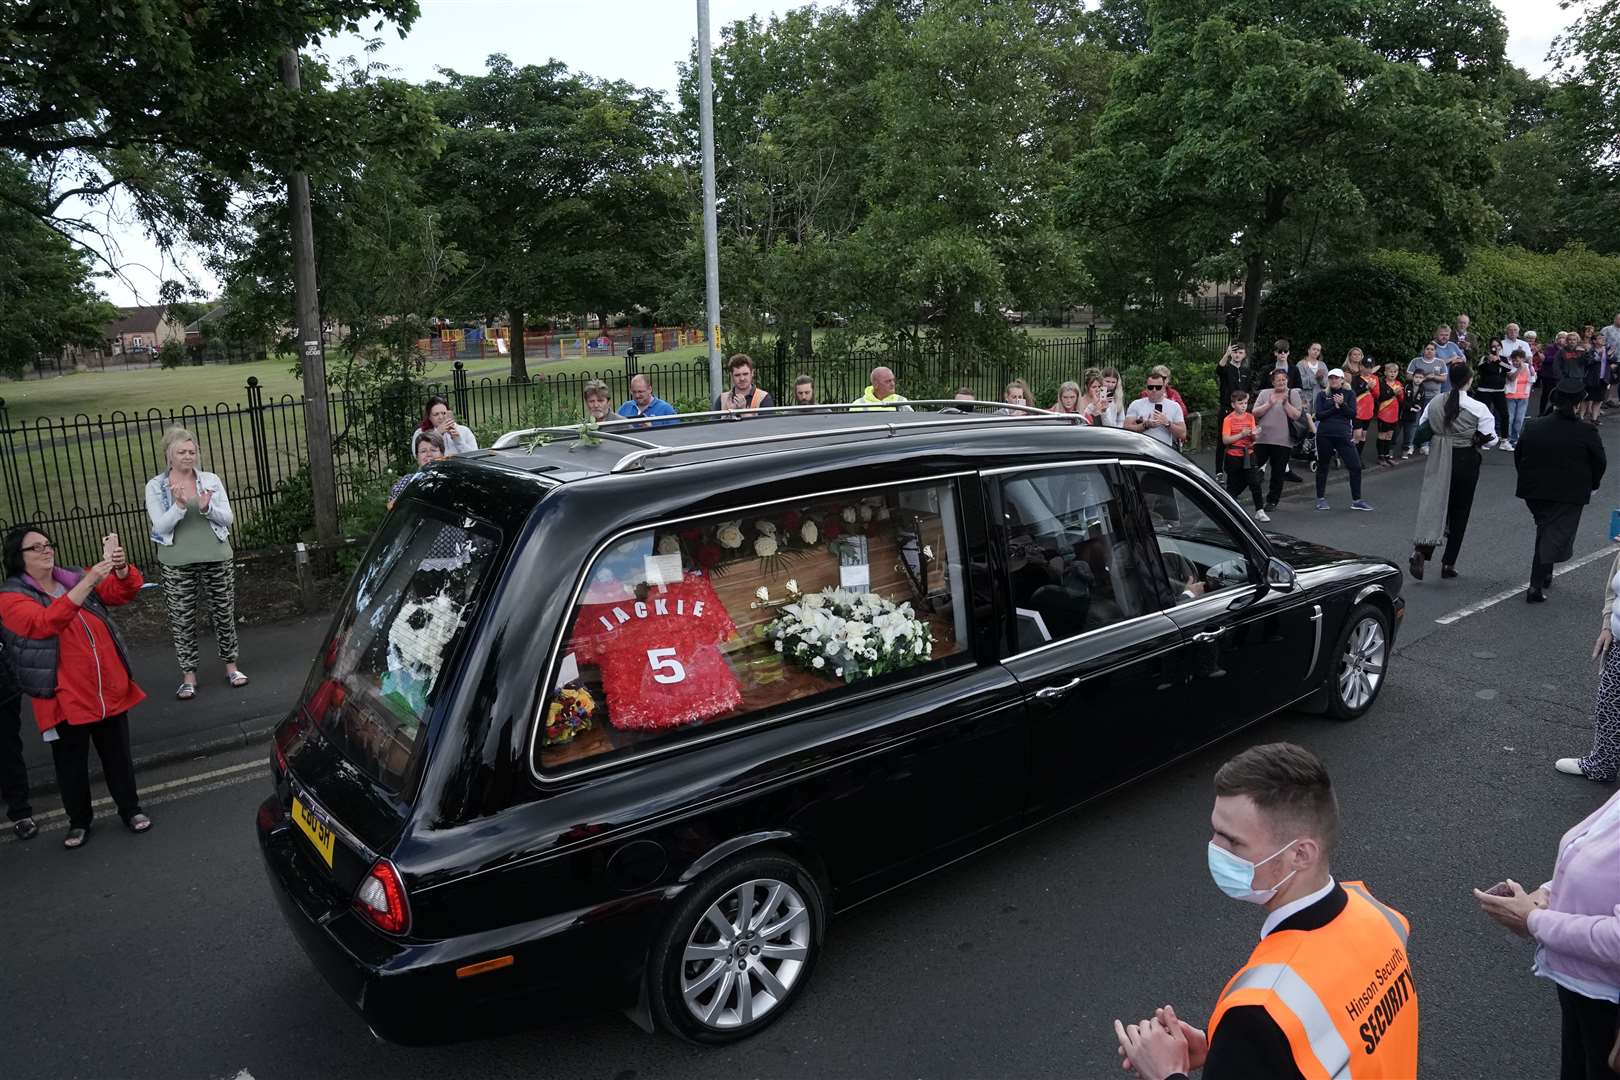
[711, 254]
[311, 360]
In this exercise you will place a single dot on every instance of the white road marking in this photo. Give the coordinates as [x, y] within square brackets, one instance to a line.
[1518, 590]
[185, 786]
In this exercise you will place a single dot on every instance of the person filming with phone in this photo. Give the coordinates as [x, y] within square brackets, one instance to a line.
[1156, 417]
[438, 417]
[70, 659]
[1574, 922]
[1329, 990]
[1335, 413]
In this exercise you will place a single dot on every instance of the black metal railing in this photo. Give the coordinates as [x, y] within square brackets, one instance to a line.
[84, 476]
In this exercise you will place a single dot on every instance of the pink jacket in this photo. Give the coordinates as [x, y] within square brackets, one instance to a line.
[1579, 931]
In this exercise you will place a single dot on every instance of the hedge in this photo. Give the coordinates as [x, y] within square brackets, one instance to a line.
[1389, 302]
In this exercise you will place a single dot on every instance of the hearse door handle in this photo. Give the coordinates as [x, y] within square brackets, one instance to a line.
[1053, 693]
[1207, 636]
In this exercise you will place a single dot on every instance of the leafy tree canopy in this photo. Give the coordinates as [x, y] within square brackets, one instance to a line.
[172, 103]
[1248, 123]
[560, 188]
[47, 296]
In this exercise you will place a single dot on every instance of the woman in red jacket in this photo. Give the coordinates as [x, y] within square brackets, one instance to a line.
[70, 659]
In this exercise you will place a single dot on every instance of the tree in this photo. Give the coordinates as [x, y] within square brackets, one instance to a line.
[559, 187]
[47, 294]
[1589, 55]
[791, 120]
[892, 162]
[961, 223]
[1284, 132]
[171, 103]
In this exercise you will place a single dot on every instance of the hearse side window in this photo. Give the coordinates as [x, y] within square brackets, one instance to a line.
[379, 674]
[1202, 551]
[1069, 556]
[687, 628]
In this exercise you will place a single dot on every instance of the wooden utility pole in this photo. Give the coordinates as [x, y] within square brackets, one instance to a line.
[312, 360]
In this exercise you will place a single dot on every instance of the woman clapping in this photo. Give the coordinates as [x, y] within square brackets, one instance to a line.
[191, 526]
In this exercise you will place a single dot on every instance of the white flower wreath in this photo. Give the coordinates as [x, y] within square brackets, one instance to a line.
[858, 635]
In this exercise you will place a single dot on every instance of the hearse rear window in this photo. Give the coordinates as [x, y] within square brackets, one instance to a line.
[380, 673]
[689, 627]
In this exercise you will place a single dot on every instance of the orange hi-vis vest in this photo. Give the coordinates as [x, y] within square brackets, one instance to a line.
[1342, 994]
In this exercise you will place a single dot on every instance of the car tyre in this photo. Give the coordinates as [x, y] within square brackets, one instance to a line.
[1360, 663]
[711, 985]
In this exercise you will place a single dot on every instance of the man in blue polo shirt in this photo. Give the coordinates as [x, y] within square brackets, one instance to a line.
[1446, 349]
[643, 402]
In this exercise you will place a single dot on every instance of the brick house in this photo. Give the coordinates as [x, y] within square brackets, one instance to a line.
[142, 331]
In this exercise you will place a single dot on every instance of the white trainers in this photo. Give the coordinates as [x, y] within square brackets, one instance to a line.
[1261, 515]
[1505, 445]
[1569, 765]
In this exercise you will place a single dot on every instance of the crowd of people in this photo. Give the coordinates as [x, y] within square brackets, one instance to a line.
[1275, 821]
[64, 652]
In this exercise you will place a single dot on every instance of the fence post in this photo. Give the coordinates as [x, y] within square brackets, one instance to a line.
[458, 382]
[261, 449]
[1091, 345]
[14, 492]
[631, 369]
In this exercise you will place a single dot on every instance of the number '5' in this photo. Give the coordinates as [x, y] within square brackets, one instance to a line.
[666, 669]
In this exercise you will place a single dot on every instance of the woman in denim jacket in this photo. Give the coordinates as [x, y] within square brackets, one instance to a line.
[191, 526]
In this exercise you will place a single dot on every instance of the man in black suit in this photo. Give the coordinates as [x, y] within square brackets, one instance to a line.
[1560, 461]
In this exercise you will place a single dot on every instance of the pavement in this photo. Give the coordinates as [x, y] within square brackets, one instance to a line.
[276, 658]
[1013, 963]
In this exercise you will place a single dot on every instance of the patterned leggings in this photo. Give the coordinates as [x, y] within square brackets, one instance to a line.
[216, 581]
[1603, 763]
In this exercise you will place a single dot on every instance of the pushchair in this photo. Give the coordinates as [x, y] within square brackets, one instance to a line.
[1305, 450]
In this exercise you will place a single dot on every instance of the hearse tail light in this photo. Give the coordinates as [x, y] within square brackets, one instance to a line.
[381, 899]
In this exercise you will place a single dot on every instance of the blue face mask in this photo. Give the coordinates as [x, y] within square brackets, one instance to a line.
[1234, 875]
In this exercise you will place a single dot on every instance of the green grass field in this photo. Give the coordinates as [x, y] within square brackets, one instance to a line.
[80, 447]
[96, 393]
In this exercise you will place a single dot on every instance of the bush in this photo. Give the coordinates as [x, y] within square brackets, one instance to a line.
[1389, 302]
[289, 516]
[360, 517]
[172, 355]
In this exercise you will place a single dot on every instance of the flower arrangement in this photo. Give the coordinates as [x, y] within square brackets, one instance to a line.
[571, 711]
[850, 636]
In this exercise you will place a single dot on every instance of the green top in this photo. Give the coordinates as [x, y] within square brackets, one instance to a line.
[194, 541]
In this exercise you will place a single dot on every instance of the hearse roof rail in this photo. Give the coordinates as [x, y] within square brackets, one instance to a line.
[645, 450]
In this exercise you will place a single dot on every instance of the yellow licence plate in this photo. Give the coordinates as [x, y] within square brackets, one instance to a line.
[319, 834]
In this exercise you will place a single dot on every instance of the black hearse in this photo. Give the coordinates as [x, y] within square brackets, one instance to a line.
[640, 708]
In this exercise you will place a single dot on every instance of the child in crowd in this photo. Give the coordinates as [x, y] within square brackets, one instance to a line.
[1237, 436]
[1521, 377]
[1391, 407]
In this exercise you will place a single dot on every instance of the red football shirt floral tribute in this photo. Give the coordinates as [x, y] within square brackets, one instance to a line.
[659, 653]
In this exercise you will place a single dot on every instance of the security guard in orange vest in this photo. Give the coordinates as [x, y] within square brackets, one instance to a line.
[1328, 992]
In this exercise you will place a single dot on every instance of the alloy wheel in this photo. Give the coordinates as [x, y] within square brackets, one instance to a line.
[745, 953]
[1361, 669]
